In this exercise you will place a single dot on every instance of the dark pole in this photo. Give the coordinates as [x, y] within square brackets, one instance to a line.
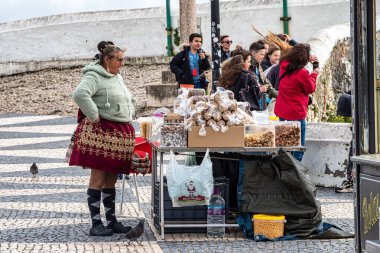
[215, 40]
[285, 18]
[169, 30]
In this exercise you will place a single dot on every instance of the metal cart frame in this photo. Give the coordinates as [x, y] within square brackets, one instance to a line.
[158, 161]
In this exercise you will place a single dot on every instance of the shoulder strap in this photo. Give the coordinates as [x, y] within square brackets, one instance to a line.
[246, 80]
[283, 75]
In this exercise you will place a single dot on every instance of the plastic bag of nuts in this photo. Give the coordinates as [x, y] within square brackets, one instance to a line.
[196, 92]
[288, 134]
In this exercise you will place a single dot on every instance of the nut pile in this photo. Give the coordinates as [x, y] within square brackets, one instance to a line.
[287, 135]
[270, 229]
[264, 138]
[173, 135]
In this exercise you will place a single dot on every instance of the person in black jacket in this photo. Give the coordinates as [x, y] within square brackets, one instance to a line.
[189, 64]
[257, 50]
[272, 57]
[273, 72]
[235, 77]
[225, 42]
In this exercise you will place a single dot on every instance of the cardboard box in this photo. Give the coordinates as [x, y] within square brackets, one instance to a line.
[233, 138]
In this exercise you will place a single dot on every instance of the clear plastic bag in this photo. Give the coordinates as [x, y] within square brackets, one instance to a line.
[261, 117]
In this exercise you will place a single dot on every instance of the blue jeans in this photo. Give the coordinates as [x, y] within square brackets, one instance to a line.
[299, 154]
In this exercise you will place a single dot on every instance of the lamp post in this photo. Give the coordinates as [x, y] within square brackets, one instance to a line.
[285, 17]
[215, 42]
[169, 30]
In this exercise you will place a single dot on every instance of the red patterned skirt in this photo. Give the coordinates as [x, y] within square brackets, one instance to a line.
[106, 146]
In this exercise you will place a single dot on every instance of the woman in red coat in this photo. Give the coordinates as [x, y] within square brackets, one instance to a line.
[296, 84]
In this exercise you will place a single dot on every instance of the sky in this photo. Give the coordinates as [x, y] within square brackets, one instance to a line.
[11, 10]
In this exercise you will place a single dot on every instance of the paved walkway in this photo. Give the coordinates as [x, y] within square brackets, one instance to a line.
[49, 214]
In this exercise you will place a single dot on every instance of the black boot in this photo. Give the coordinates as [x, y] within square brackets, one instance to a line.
[93, 200]
[100, 230]
[109, 207]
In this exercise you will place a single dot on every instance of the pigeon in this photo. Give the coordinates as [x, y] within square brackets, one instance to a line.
[136, 232]
[34, 170]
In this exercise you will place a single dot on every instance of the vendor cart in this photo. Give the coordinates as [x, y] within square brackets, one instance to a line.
[158, 178]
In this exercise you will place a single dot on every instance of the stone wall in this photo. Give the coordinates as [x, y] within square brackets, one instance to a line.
[50, 91]
[334, 80]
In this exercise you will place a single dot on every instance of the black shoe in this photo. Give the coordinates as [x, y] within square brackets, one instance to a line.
[346, 187]
[100, 230]
[119, 228]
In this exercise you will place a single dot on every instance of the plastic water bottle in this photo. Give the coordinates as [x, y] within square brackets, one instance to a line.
[216, 215]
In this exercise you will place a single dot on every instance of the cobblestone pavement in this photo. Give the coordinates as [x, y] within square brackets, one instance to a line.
[49, 214]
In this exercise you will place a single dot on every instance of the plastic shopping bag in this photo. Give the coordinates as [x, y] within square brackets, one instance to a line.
[191, 159]
[190, 185]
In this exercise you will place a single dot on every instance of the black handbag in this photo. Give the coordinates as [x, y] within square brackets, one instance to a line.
[248, 95]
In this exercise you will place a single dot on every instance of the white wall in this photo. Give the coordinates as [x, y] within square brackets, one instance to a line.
[142, 31]
[327, 148]
[307, 17]
[75, 36]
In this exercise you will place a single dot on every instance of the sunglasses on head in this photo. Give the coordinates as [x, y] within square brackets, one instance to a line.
[227, 41]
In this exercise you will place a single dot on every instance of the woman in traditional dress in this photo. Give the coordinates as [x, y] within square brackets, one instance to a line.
[105, 138]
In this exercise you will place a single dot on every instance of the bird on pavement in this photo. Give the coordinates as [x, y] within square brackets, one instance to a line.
[136, 232]
[34, 170]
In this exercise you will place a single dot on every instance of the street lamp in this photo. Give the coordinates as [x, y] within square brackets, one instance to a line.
[215, 42]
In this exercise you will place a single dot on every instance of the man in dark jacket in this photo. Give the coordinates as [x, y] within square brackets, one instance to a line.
[189, 64]
[257, 50]
[226, 43]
